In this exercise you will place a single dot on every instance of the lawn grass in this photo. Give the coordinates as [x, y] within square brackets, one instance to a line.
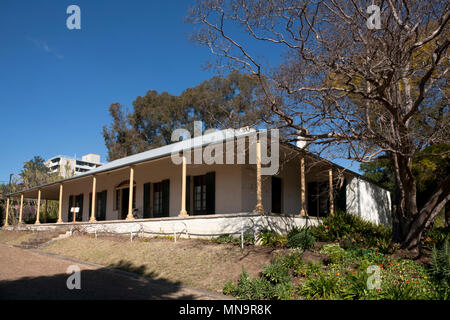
[15, 237]
[198, 263]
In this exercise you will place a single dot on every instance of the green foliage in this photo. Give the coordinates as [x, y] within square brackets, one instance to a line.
[35, 173]
[220, 102]
[300, 238]
[379, 170]
[346, 275]
[308, 269]
[293, 259]
[334, 251]
[355, 287]
[437, 236]
[276, 272]
[283, 291]
[429, 167]
[320, 287]
[403, 291]
[271, 238]
[440, 266]
[259, 288]
[352, 230]
[249, 239]
[229, 288]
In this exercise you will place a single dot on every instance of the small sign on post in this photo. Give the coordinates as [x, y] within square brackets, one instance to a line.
[74, 211]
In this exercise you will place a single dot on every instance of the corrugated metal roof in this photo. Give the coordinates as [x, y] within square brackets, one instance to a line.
[188, 144]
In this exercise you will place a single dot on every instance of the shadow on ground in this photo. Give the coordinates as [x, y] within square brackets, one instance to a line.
[102, 283]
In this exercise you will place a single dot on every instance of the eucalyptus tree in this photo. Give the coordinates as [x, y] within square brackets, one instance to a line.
[359, 79]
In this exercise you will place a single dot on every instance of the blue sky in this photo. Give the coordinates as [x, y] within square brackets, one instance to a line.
[56, 84]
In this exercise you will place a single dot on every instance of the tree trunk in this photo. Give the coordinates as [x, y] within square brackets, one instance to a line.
[409, 229]
[447, 215]
[409, 225]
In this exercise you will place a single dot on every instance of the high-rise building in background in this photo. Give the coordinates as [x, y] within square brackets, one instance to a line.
[70, 166]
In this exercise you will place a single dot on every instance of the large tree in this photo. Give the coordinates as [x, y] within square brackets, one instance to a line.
[349, 88]
[220, 102]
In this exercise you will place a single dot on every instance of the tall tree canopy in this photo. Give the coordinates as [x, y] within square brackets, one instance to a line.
[35, 173]
[355, 91]
[221, 102]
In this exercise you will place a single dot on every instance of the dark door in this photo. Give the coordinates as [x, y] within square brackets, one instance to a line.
[324, 199]
[276, 195]
[101, 206]
[79, 204]
[125, 201]
[313, 199]
[211, 193]
[76, 201]
[166, 197]
[161, 199]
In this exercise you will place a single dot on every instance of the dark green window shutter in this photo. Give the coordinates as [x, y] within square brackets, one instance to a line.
[166, 197]
[147, 204]
[103, 205]
[211, 193]
[79, 204]
[188, 194]
[70, 215]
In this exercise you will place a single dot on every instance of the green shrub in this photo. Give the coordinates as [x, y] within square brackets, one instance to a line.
[356, 286]
[224, 238]
[271, 238]
[401, 291]
[437, 236]
[257, 289]
[321, 287]
[293, 259]
[309, 269]
[245, 288]
[334, 251]
[249, 239]
[351, 230]
[300, 238]
[440, 266]
[276, 272]
[282, 291]
[229, 288]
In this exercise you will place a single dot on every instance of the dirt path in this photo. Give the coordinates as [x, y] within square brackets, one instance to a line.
[26, 274]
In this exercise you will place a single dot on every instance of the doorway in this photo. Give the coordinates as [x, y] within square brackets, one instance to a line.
[125, 201]
[276, 195]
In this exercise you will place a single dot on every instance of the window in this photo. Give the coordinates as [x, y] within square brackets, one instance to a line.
[204, 193]
[157, 200]
[200, 194]
[161, 193]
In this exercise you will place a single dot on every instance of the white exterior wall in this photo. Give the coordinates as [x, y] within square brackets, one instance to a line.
[290, 189]
[369, 201]
[228, 185]
[188, 227]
